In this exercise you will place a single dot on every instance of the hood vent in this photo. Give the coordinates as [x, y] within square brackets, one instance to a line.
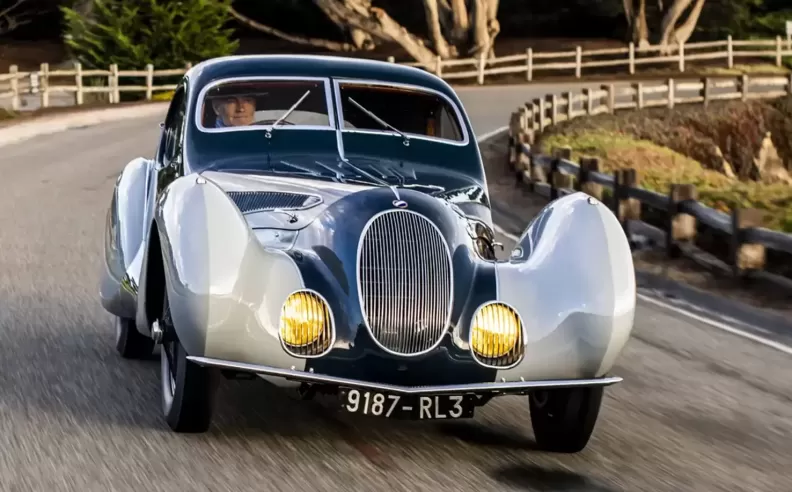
[263, 201]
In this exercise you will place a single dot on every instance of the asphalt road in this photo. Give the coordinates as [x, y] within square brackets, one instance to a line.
[699, 409]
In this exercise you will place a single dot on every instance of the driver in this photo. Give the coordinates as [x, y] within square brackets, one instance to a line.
[237, 110]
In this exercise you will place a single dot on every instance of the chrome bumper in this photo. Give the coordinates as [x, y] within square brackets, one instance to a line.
[502, 387]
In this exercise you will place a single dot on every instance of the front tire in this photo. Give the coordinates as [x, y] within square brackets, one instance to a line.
[130, 343]
[563, 419]
[187, 388]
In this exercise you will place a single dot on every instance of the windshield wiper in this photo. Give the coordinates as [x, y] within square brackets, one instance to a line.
[381, 121]
[287, 113]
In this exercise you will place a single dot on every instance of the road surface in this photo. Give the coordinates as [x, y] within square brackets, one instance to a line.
[699, 409]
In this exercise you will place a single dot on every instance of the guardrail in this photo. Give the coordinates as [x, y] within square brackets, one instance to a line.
[732, 242]
[530, 63]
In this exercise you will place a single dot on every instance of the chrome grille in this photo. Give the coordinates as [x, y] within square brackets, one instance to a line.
[405, 282]
[261, 201]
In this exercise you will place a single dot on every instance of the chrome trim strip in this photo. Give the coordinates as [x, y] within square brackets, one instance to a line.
[522, 329]
[331, 117]
[332, 327]
[460, 120]
[412, 310]
[311, 377]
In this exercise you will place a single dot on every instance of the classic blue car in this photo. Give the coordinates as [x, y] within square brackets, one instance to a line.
[324, 223]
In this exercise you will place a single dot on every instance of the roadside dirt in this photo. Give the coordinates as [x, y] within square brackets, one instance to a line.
[519, 206]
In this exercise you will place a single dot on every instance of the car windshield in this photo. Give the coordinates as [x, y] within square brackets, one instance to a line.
[248, 103]
[414, 112]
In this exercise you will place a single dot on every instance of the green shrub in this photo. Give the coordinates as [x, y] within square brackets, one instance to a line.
[134, 33]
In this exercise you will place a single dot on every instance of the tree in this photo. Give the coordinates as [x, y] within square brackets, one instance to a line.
[13, 13]
[455, 28]
[673, 30]
[134, 33]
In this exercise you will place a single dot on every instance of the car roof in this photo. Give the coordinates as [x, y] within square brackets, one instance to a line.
[313, 66]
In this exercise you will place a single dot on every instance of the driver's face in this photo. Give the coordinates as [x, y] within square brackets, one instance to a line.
[237, 111]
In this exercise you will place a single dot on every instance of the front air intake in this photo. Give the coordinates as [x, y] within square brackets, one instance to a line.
[405, 281]
[262, 201]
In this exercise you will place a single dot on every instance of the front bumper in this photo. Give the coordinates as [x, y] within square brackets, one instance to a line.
[500, 387]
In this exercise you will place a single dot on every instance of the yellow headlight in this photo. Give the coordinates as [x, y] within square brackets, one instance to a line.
[496, 332]
[305, 319]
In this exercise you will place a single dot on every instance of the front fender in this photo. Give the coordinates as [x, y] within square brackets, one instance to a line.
[572, 280]
[225, 290]
[124, 238]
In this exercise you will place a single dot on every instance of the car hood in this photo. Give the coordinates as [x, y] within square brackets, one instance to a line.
[291, 174]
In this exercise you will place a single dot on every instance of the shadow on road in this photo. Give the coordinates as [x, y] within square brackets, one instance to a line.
[531, 477]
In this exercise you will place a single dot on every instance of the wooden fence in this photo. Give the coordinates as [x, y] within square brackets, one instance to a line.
[735, 242]
[45, 82]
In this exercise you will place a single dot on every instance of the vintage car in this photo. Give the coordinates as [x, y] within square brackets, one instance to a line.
[324, 223]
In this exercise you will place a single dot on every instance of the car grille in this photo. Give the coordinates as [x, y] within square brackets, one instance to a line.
[261, 201]
[405, 282]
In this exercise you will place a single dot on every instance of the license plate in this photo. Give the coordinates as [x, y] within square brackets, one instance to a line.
[407, 407]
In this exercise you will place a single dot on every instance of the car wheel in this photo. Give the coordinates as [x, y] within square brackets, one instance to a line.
[187, 388]
[130, 343]
[563, 419]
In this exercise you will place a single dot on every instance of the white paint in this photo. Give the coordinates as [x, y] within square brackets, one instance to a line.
[721, 326]
[789, 28]
[707, 321]
[489, 135]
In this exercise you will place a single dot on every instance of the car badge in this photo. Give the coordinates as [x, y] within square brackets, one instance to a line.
[399, 204]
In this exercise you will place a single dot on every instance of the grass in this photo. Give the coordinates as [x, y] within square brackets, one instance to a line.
[659, 167]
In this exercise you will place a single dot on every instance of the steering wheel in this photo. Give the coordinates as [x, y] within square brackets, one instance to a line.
[269, 122]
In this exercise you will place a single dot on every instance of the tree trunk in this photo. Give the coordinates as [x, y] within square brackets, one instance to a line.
[435, 32]
[683, 32]
[460, 31]
[485, 27]
[375, 21]
[668, 25]
[319, 43]
[641, 28]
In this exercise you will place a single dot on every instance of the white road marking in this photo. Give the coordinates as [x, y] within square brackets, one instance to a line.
[489, 135]
[707, 321]
[721, 326]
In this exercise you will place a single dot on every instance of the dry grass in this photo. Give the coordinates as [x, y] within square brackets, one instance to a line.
[659, 167]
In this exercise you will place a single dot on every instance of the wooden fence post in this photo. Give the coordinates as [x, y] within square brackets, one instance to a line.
[570, 107]
[556, 177]
[671, 93]
[529, 64]
[745, 256]
[730, 51]
[149, 82]
[681, 56]
[611, 95]
[778, 51]
[482, 64]
[44, 85]
[624, 207]
[15, 100]
[79, 95]
[744, 82]
[679, 226]
[589, 165]
[640, 93]
[553, 109]
[116, 84]
[578, 61]
[589, 101]
[707, 91]
[632, 58]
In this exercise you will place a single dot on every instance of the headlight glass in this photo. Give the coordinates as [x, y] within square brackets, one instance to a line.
[306, 324]
[496, 335]
[276, 238]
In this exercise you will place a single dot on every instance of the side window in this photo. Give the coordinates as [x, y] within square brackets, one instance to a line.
[174, 123]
